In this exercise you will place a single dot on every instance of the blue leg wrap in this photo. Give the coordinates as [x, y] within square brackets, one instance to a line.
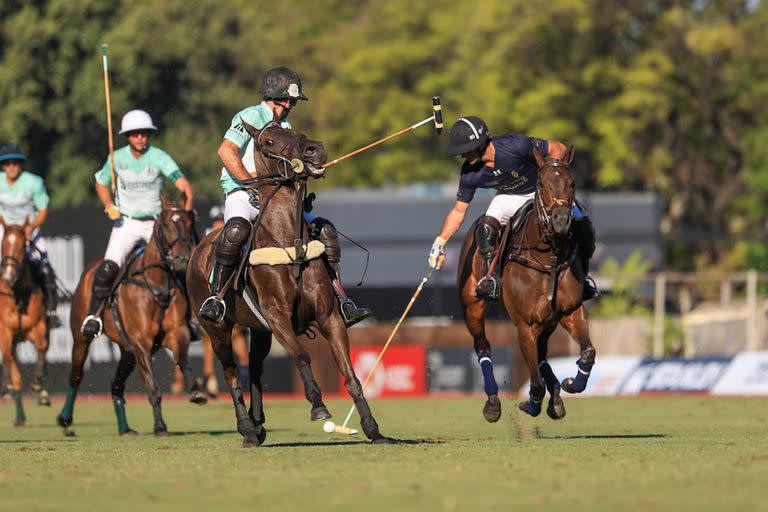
[489, 381]
[534, 401]
[582, 376]
[550, 380]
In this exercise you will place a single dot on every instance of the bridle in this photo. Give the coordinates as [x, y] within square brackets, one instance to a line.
[12, 261]
[544, 212]
[165, 246]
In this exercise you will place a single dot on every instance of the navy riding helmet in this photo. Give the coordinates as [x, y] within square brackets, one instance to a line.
[11, 152]
[467, 134]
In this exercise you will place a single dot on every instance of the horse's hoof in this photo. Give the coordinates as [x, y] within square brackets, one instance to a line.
[19, 422]
[529, 408]
[63, 422]
[320, 413]
[556, 408]
[198, 398]
[382, 440]
[567, 385]
[132, 433]
[492, 409]
[161, 432]
[252, 439]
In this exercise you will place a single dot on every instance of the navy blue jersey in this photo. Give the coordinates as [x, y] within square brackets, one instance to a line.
[514, 172]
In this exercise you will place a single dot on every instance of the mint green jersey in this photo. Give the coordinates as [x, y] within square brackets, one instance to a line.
[139, 180]
[23, 199]
[257, 116]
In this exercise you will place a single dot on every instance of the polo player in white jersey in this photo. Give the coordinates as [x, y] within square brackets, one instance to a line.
[139, 168]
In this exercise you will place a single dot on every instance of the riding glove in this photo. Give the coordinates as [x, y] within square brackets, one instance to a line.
[437, 254]
[112, 212]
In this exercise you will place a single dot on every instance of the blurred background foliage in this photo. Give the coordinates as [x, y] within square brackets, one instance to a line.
[668, 96]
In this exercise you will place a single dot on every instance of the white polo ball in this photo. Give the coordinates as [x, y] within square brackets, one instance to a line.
[328, 426]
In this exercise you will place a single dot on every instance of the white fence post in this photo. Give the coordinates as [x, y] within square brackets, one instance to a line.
[659, 294]
[752, 338]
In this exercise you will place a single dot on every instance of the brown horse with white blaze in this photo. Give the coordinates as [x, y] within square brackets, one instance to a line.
[293, 295]
[542, 287]
[149, 309]
[22, 315]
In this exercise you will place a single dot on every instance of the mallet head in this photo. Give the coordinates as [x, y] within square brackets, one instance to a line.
[438, 114]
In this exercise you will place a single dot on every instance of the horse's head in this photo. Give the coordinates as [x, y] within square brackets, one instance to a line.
[555, 192]
[289, 154]
[13, 251]
[175, 234]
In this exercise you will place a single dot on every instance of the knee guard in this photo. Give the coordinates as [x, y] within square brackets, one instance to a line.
[487, 234]
[584, 232]
[324, 231]
[103, 278]
[230, 243]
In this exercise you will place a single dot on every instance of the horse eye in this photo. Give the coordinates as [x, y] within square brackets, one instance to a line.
[270, 142]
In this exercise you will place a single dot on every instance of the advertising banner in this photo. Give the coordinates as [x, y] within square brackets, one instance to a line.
[746, 375]
[675, 376]
[456, 369]
[401, 372]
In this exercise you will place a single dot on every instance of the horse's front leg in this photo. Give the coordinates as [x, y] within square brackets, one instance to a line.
[577, 327]
[261, 343]
[334, 330]
[9, 364]
[555, 406]
[142, 348]
[38, 335]
[80, 347]
[177, 341]
[124, 369]
[527, 336]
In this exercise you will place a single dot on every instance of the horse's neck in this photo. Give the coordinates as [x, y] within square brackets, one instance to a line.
[152, 261]
[278, 216]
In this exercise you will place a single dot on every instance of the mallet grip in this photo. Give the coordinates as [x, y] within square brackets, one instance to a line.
[437, 108]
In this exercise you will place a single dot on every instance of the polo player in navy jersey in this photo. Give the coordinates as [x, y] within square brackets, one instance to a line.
[506, 164]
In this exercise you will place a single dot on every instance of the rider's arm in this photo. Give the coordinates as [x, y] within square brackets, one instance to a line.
[230, 157]
[453, 220]
[105, 196]
[42, 215]
[186, 188]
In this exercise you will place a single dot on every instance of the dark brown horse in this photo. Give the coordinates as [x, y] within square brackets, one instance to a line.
[22, 315]
[149, 309]
[542, 286]
[292, 298]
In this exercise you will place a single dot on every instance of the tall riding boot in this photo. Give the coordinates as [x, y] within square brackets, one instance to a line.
[228, 251]
[103, 280]
[584, 232]
[324, 231]
[487, 237]
[48, 278]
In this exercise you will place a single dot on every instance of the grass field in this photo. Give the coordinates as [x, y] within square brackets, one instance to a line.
[671, 453]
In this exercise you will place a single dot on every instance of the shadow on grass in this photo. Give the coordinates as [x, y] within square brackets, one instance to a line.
[609, 436]
[353, 443]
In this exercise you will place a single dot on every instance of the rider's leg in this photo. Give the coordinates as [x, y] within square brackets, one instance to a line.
[324, 231]
[45, 276]
[584, 234]
[103, 279]
[227, 252]
[487, 237]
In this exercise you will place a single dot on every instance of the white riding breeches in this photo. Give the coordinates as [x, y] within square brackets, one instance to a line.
[237, 205]
[126, 233]
[504, 206]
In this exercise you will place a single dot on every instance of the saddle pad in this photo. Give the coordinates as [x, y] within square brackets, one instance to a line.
[284, 256]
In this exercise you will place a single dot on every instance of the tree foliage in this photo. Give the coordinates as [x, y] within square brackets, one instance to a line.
[663, 95]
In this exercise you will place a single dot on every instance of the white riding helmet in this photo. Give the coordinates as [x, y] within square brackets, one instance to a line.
[136, 120]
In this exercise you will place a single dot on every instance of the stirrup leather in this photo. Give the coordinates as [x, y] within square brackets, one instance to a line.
[95, 319]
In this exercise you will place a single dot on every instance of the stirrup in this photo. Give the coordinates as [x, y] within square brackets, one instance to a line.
[591, 291]
[355, 316]
[89, 319]
[489, 295]
[213, 309]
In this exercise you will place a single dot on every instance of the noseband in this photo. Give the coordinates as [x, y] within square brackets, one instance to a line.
[543, 212]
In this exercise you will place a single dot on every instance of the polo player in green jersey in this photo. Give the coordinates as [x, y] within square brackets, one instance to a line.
[23, 199]
[140, 169]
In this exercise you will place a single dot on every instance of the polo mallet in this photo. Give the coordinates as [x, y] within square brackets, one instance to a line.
[104, 48]
[329, 426]
[436, 117]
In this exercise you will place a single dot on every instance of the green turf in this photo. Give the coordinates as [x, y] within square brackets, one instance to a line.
[674, 453]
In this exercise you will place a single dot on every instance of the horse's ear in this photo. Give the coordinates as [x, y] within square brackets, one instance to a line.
[2, 222]
[182, 202]
[540, 159]
[164, 201]
[26, 223]
[252, 131]
[569, 155]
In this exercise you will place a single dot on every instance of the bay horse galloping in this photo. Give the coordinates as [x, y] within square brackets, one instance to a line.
[22, 315]
[149, 309]
[286, 289]
[541, 287]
